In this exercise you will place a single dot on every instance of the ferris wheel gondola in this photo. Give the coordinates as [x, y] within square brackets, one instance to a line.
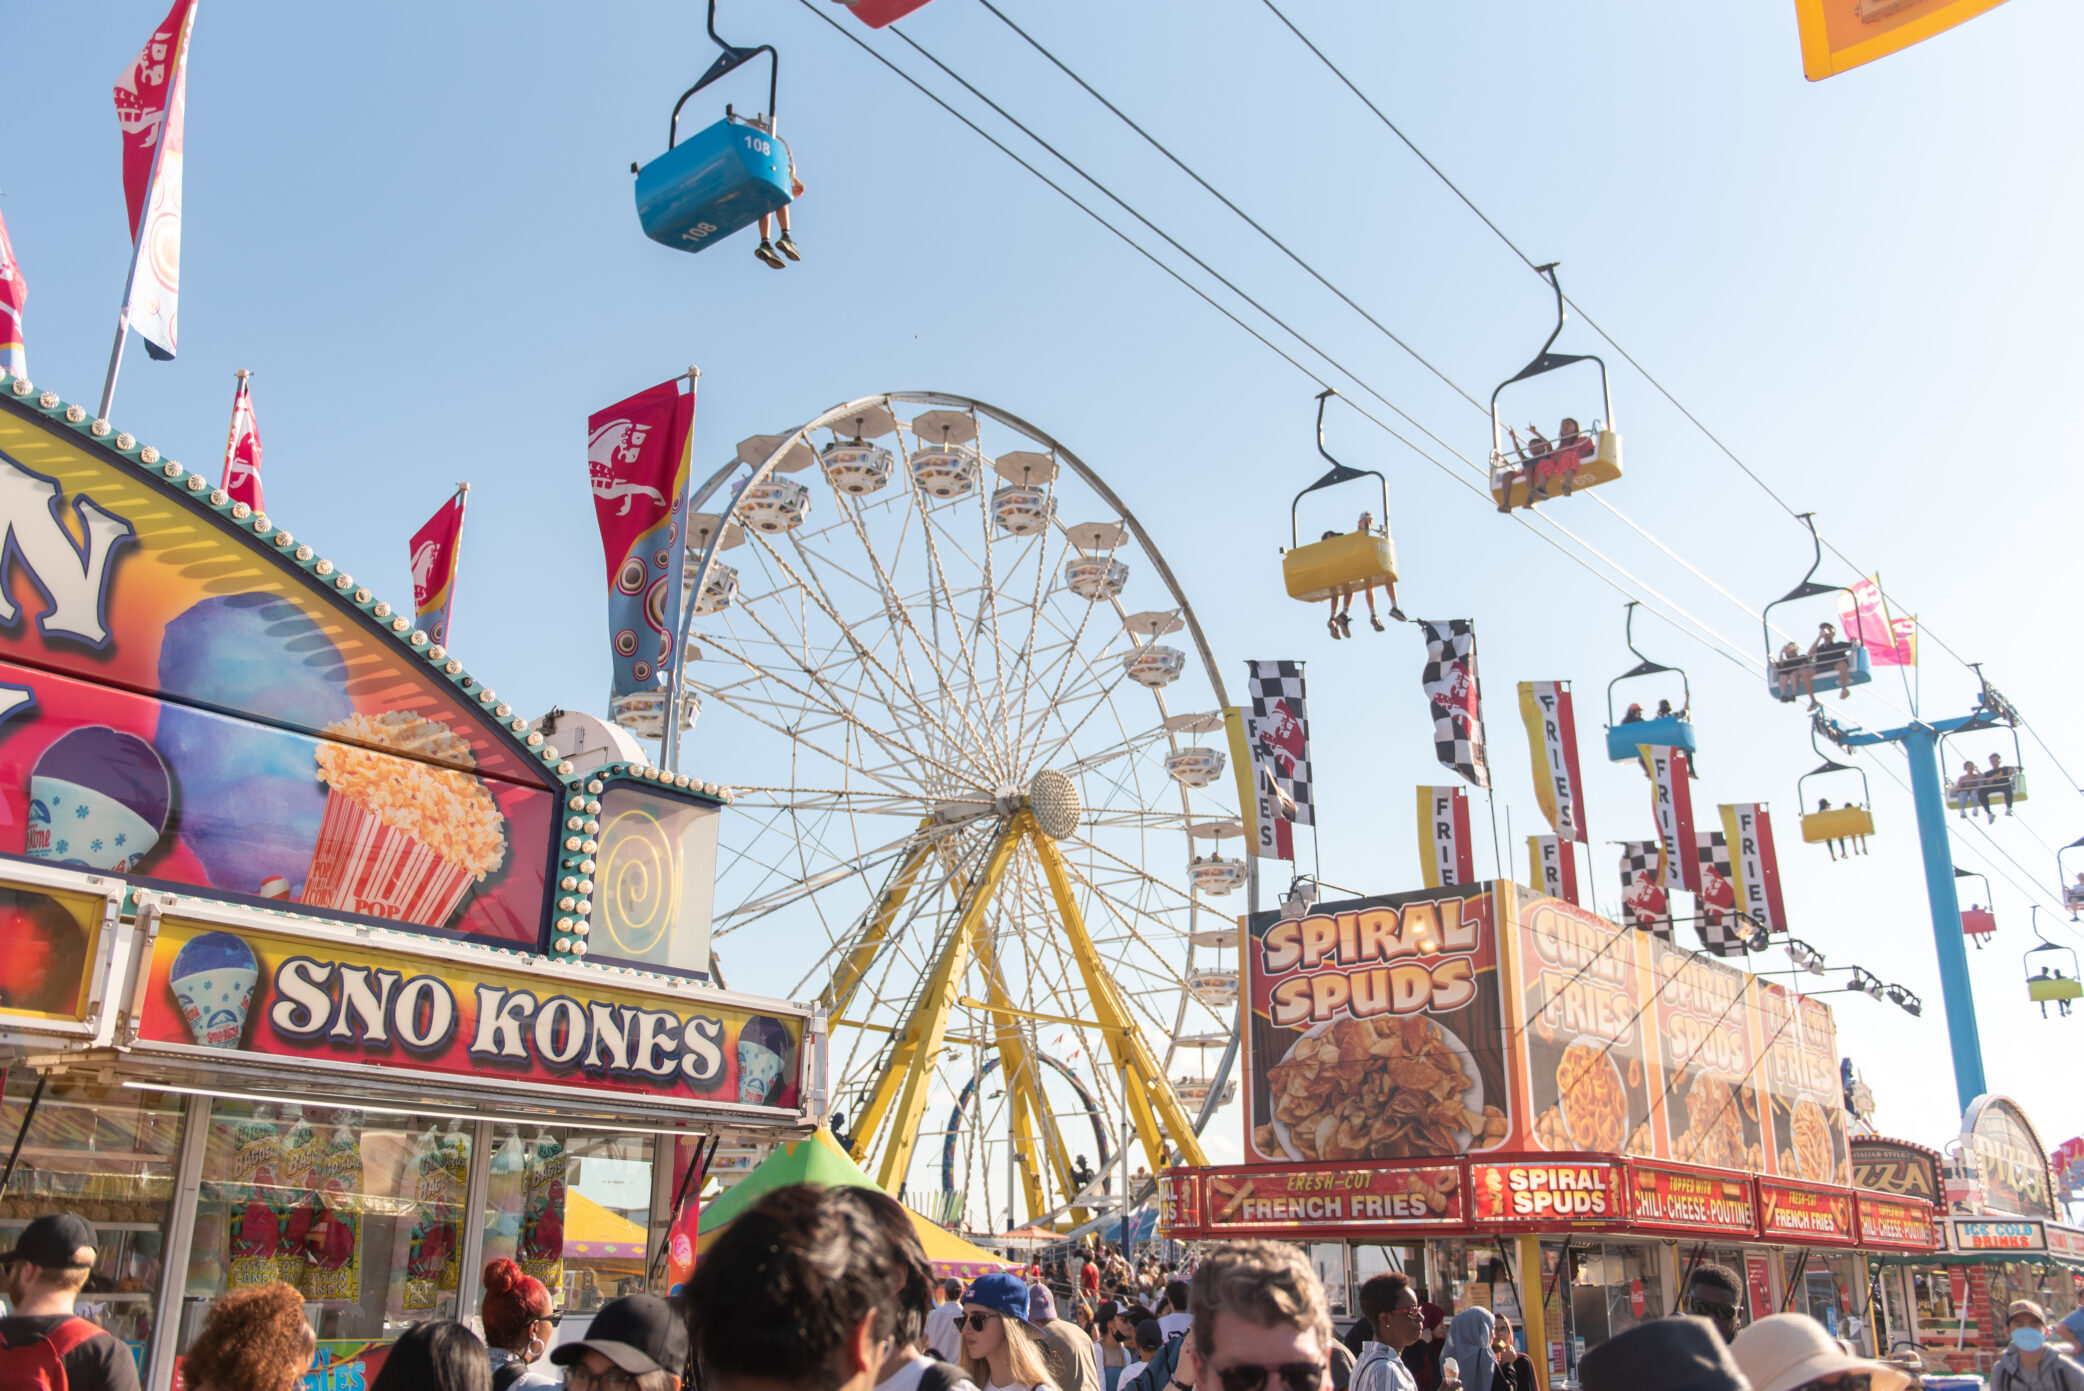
[1534, 470]
[1668, 728]
[1831, 662]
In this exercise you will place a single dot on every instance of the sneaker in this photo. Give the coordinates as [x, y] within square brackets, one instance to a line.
[765, 251]
[1377, 624]
[1333, 624]
[787, 247]
[1397, 614]
[1345, 625]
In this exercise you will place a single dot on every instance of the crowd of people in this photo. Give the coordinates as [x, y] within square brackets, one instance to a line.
[828, 1289]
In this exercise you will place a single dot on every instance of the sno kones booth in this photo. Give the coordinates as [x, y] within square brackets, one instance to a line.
[1527, 1108]
[318, 963]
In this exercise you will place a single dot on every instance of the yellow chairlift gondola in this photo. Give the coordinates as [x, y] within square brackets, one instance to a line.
[1844, 828]
[2049, 983]
[1341, 564]
[1537, 469]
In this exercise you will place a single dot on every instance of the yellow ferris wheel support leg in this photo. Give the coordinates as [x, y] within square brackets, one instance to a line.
[1153, 1105]
[1023, 1085]
[840, 993]
[912, 1059]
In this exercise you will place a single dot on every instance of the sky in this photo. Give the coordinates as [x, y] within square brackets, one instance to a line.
[414, 226]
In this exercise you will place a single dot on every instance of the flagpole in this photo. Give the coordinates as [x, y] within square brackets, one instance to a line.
[448, 626]
[669, 728]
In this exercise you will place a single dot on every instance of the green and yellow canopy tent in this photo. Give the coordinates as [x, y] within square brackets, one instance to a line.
[820, 1160]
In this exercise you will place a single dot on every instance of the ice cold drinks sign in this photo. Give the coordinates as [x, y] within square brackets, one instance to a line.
[314, 999]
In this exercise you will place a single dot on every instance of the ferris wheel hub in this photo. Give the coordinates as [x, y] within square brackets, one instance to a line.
[1053, 798]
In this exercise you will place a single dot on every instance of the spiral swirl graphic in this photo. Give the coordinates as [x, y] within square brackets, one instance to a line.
[638, 899]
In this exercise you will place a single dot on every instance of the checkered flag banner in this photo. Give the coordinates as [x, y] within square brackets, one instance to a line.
[1451, 687]
[1279, 732]
[1644, 902]
[1721, 930]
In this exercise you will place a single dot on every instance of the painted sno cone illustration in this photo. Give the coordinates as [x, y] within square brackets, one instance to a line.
[98, 799]
[405, 833]
[213, 978]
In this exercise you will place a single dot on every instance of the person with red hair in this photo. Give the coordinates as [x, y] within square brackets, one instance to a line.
[518, 1327]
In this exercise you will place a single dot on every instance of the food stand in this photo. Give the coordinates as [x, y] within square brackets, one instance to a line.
[2002, 1239]
[321, 964]
[1525, 1106]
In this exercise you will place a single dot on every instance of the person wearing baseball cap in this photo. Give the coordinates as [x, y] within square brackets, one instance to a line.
[1001, 1349]
[1793, 1352]
[1073, 1363]
[2029, 1362]
[42, 1277]
[639, 1336]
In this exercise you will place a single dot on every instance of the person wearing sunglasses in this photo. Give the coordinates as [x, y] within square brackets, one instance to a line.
[1392, 1310]
[1001, 1349]
[1260, 1323]
[1713, 1293]
[1793, 1352]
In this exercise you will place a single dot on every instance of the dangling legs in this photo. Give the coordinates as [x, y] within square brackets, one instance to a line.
[1373, 621]
[765, 250]
[1394, 611]
[783, 244]
[1333, 622]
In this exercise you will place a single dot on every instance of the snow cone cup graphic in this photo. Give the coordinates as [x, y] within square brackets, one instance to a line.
[98, 799]
[403, 836]
[764, 1049]
[212, 979]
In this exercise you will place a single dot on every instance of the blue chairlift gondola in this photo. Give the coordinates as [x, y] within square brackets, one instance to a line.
[1832, 662]
[1624, 736]
[723, 178]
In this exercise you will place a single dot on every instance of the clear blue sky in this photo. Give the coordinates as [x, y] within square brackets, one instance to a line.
[414, 225]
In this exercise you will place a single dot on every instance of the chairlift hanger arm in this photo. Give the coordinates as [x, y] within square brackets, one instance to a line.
[1644, 667]
[1340, 473]
[1548, 361]
[730, 60]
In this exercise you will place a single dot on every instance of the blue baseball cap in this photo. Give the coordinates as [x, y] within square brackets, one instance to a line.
[1002, 1294]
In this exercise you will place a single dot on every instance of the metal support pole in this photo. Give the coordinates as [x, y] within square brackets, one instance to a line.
[477, 1184]
[1921, 746]
[167, 1320]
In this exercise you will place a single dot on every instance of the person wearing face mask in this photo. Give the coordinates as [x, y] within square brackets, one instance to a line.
[2031, 1362]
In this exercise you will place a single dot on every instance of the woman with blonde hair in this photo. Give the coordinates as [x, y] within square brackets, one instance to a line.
[1001, 1350]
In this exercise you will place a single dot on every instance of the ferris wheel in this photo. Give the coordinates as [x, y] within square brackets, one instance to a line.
[977, 742]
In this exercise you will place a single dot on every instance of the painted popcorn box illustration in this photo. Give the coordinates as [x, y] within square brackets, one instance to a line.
[212, 979]
[401, 838]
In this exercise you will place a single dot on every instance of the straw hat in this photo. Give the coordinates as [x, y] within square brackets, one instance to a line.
[1784, 1351]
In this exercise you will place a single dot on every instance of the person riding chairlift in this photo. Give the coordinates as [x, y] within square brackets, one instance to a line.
[1635, 714]
[1341, 622]
[766, 250]
[1999, 780]
[1793, 675]
[1969, 787]
[1827, 636]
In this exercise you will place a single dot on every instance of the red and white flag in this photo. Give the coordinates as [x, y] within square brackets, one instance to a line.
[14, 293]
[1444, 848]
[1754, 865]
[1672, 800]
[242, 450]
[435, 550]
[1552, 866]
[151, 104]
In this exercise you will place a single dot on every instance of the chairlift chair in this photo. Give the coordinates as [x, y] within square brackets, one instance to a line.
[1821, 666]
[1839, 823]
[1666, 731]
[2050, 983]
[1348, 563]
[1959, 798]
[2072, 886]
[1593, 459]
[1977, 923]
[722, 178]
